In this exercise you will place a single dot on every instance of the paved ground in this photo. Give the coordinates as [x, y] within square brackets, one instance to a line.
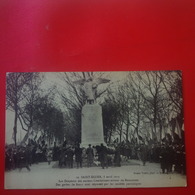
[130, 175]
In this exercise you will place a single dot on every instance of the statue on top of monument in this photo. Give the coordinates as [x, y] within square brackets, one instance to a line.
[90, 85]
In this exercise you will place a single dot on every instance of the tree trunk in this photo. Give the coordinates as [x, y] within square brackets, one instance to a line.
[15, 126]
[127, 131]
[26, 136]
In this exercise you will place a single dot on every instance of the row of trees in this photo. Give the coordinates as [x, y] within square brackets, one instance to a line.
[147, 106]
[141, 105]
[33, 107]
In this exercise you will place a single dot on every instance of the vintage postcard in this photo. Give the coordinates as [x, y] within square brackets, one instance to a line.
[75, 130]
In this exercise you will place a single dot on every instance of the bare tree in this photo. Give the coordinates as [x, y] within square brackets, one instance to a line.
[15, 94]
[172, 82]
[152, 95]
[26, 112]
[156, 102]
[144, 106]
[134, 89]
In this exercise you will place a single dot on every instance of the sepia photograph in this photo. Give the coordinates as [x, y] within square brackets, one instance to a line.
[81, 130]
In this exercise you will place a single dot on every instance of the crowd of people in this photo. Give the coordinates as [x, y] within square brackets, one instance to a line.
[170, 156]
[23, 156]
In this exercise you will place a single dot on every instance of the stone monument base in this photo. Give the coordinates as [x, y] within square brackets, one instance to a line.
[92, 125]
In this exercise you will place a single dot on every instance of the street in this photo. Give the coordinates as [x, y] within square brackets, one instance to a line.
[131, 175]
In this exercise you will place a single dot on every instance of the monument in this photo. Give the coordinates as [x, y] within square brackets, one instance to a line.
[91, 118]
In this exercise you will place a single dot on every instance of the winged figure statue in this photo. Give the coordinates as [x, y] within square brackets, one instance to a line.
[90, 87]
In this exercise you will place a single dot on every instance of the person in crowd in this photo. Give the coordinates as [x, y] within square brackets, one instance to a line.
[180, 164]
[117, 157]
[70, 154]
[62, 156]
[103, 156]
[170, 158]
[49, 155]
[29, 153]
[143, 153]
[55, 152]
[15, 157]
[183, 159]
[23, 159]
[90, 156]
[44, 153]
[38, 154]
[164, 159]
[78, 156]
[8, 159]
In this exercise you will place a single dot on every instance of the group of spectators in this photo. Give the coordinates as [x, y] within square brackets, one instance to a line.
[23, 156]
[170, 156]
[98, 155]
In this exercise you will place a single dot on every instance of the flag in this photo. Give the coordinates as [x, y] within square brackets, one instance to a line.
[178, 129]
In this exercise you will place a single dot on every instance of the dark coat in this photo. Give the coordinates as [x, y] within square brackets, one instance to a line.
[78, 154]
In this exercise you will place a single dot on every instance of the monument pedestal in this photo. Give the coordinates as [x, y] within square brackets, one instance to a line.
[92, 125]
